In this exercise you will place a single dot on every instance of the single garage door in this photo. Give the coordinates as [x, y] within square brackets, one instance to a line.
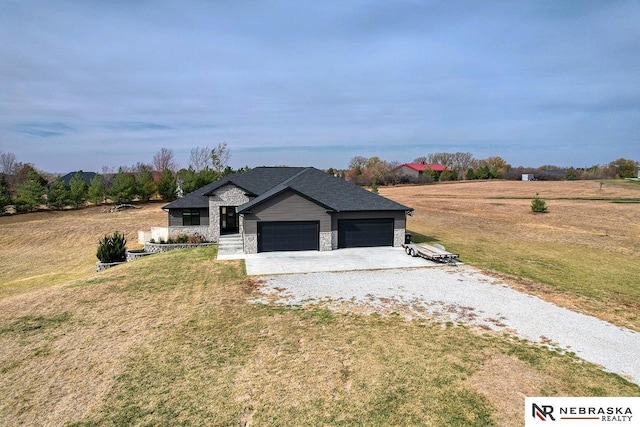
[357, 233]
[288, 236]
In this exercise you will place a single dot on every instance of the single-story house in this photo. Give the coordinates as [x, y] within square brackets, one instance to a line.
[86, 177]
[288, 209]
[416, 170]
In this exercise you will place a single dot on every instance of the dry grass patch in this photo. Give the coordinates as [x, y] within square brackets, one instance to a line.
[583, 254]
[70, 368]
[506, 382]
[607, 189]
[45, 248]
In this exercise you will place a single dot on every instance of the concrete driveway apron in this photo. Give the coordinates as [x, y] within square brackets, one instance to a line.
[338, 260]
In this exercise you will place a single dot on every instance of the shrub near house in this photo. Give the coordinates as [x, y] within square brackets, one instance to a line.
[192, 239]
[112, 248]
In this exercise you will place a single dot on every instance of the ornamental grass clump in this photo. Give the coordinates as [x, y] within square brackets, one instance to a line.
[179, 238]
[196, 239]
[112, 248]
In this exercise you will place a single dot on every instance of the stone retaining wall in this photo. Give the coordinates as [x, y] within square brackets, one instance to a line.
[136, 254]
[156, 248]
[101, 266]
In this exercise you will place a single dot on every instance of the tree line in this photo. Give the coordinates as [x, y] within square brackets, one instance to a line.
[27, 189]
[464, 166]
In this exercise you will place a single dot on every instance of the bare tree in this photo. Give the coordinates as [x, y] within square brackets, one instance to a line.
[164, 159]
[200, 158]
[107, 170]
[445, 159]
[220, 156]
[392, 176]
[462, 162]
[138, 167]
[420, 160]
[357, 164]
[458, 162]
[7, 163]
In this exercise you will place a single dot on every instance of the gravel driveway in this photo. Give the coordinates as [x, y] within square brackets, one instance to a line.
[462, 294]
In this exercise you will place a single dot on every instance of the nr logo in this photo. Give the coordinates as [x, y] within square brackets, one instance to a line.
[542, 412]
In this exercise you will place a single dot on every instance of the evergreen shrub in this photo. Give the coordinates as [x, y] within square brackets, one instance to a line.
[538, 205]
[112, 248]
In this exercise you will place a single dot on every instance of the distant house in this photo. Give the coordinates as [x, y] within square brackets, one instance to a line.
[553, 174]
[289, 209]
[527, 177]
[416, 170]
[86, 177]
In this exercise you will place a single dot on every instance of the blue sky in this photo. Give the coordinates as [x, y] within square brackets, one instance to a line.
[93, 83]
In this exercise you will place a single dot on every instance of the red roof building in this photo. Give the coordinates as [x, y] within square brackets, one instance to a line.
[415, 170]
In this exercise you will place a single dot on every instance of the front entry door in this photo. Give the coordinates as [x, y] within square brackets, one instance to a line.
[228, 220]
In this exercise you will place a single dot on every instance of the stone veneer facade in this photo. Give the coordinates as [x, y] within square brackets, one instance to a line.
[229, 195]
[326, 241]
[334, 239]
[398, 236]
[250, 243]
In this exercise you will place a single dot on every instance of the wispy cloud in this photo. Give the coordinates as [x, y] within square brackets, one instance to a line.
[43, 130]
[137, 126]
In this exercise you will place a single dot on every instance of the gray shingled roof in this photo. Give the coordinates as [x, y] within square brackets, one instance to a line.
[258, 180]
[265, 182]
[332, 193]
[255, 182]
[195, 199]
[86, 177]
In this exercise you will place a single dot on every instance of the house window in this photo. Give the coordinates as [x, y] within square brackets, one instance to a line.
[191, 217]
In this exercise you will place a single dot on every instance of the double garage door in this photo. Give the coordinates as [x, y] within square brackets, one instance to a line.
[305, 235]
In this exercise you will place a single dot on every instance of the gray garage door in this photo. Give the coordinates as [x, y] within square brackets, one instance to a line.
[358, 233]
[288, 236]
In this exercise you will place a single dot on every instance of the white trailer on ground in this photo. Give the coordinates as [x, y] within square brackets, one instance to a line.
[435, 252]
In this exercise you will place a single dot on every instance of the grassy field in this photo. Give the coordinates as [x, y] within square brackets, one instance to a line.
[173, 339]
[45, 248]
[583, 254]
